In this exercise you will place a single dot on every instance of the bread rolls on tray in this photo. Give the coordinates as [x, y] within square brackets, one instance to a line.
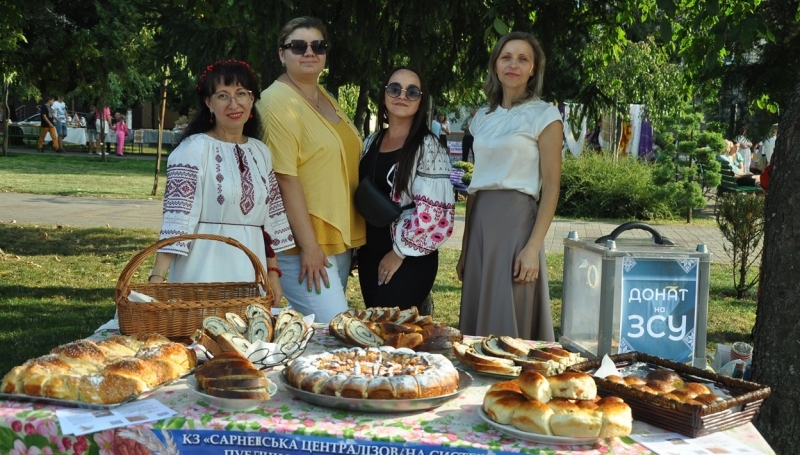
[375, 327]
[103, 372]
[509, 356]
[549, 406]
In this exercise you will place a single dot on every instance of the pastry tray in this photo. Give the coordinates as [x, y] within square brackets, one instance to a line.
[83, 405]
[688, 419]
[366, 405]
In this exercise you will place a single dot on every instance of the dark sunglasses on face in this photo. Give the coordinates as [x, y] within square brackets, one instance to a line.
[394, 90]
[298, 46]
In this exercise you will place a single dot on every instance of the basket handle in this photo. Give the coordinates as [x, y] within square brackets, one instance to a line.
[136, 261]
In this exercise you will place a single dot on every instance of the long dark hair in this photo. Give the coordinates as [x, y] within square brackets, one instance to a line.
[227, 72]
[416, 135]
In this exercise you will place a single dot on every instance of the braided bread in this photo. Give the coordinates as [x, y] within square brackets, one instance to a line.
[105, 372]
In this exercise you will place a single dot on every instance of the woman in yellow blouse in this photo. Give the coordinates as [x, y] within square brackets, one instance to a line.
[315, 150]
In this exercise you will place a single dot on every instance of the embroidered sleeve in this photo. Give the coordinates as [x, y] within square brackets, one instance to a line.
[278, 226]
[424, 228]
[183, 196]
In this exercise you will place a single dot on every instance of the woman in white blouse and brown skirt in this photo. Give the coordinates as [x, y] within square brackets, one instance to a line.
[512, 198]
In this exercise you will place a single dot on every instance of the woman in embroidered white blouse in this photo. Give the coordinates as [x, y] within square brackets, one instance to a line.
[220, 181]
[512, 198]
[398, 264]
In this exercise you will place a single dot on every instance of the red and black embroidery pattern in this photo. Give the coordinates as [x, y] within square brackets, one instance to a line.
[181, 188]
[248, 192]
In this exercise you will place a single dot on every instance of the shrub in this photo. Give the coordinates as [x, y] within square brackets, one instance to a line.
[740, 217]
[466, 166]
[593, 187]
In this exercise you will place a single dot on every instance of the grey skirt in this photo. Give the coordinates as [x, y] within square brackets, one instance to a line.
[500, 224]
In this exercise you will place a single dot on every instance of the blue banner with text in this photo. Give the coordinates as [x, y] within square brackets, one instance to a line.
[209, 442]
[659, 307]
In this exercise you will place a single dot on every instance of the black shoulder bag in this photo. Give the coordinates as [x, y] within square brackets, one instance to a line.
[375, 206]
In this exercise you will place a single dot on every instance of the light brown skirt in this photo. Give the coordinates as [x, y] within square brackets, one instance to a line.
[500, 225]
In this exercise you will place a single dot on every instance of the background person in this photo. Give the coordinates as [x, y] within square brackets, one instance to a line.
[316, 149]
[398, 264]
[445, 130]
[220, 181]
[59, 111]
[92, 137]
[513, 198]
[48, 125]
[120, 126]
[467, 141]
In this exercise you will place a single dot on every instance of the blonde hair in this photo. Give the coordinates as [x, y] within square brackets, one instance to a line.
[492, 86]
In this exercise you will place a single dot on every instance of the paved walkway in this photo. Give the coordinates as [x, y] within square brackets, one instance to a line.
[135, 213]
[138, 213]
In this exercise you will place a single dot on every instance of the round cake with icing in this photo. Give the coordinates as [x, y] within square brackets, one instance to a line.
[383, 373]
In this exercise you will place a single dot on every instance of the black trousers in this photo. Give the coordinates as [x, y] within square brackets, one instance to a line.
[466, 148]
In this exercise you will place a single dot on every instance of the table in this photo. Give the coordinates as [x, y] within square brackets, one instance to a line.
[288, 425]
[74, 136]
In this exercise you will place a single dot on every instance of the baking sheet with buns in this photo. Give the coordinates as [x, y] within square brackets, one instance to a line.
[692, 420]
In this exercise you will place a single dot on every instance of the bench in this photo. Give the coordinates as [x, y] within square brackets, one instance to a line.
[729, 183]
[458, 185]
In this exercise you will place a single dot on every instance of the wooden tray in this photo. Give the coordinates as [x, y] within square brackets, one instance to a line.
[690, 420]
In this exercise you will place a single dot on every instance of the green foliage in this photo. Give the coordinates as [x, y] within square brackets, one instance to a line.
[595, 187]
[466, 179]
[740, 217]
[636, 73]
[465, 165]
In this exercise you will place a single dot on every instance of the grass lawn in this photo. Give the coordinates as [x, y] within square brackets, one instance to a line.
[48, 173]
[57, 285]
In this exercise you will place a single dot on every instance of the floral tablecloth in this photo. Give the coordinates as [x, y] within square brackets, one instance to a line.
[32, 429]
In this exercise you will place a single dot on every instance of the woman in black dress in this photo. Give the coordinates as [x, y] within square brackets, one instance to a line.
[398, 264]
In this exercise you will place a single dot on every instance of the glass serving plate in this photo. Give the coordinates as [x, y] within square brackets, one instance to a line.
[536, 437]
[367, 405]
[230, 404]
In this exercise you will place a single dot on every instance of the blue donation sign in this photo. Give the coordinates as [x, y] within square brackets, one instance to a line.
[659, 307]
[209, 442]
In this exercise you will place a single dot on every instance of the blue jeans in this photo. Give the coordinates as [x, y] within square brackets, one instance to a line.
[330, 301]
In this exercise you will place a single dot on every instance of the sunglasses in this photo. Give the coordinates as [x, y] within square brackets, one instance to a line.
[298, 46]
[413, 92]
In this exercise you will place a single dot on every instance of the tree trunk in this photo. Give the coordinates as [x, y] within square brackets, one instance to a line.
[776, 361]
[160, 132]
[362, 106]
[6, 118]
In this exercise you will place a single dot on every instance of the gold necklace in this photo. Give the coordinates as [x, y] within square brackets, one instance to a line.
[304, 95]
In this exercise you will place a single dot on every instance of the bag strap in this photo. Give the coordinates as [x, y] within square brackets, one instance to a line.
[375, 148]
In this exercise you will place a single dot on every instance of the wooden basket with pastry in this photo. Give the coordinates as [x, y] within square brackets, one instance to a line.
[509, 356]
[106, 372]
[179, 309]
[565, 405]
[393, 327]
[678, 397]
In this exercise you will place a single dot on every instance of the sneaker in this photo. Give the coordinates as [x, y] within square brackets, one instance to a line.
[40, 150]
[60, 151]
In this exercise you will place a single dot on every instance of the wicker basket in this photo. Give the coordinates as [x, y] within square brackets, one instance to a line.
[690, 420]
[181, 307]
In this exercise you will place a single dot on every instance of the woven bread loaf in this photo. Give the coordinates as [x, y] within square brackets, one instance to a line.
[105, 372]
[383, 373]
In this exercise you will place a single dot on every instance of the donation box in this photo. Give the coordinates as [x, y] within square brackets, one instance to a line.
[635, 294]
